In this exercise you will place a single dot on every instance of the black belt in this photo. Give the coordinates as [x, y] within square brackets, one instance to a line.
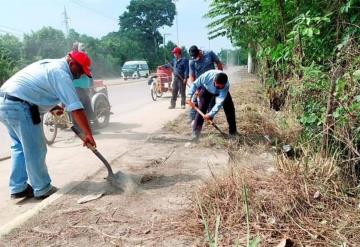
[12, 98]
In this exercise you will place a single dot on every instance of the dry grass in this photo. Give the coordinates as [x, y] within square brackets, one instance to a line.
[301, 200]
[280, 206]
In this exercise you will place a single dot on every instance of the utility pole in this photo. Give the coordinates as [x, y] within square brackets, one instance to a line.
[177, 23]
[227, 57]
[250, 63]
[66, 22]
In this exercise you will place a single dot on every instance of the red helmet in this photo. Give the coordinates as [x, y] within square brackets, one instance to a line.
[83, 60]
[177, 50]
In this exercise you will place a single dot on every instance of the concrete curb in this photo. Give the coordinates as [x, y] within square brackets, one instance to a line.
[22, 218]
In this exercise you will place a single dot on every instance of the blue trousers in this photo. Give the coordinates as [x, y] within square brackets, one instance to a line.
[28, 148]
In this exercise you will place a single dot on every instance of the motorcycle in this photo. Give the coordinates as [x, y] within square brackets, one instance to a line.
[100, 106]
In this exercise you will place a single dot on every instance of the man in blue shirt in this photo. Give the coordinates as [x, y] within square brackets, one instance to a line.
[211, 84]
[33, 90]
[180, 67]
[201, 62]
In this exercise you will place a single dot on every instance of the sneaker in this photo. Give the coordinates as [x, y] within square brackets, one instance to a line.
[182, 106]
[171, 107]
[27, 193]
[47, 194]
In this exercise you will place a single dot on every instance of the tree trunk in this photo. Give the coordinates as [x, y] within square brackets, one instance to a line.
[250, 61]
[283, 19]
[329, 124]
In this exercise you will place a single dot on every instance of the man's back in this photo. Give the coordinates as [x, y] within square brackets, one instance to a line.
[44, 83]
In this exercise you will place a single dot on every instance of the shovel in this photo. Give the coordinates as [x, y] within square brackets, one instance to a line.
[114, 179]
[203, 115]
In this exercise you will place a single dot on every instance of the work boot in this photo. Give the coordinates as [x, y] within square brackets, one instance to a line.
[171, 107]
[195, 136]
[27, 193]
[234, 135]
[47, 194]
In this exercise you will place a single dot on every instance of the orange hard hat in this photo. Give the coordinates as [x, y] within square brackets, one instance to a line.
[83, 60]
[177, 50]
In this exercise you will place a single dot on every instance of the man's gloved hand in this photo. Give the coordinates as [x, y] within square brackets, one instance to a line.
[57, 110]
[190, 102]
[89, 139]
[207, 117]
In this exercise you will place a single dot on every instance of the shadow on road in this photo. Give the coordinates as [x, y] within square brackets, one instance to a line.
[118, 127]
[129, 135]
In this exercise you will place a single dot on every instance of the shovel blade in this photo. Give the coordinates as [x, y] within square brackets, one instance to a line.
[122, 181]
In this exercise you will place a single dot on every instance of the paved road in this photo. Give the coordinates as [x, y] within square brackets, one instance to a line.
[135, 117]
[124, 96]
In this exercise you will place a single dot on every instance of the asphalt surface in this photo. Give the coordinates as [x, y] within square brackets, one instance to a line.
[124, 95]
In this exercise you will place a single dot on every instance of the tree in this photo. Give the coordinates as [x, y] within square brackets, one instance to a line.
[10, 56]
[72, 37]
[300, 47]
[141, 23]
[45, 43]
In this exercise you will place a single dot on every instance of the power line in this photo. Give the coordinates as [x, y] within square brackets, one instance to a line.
[12, 29]
[83, 5]
[12, 33]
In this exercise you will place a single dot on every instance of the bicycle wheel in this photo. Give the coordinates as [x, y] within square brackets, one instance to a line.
[49, 128]
[153, 91]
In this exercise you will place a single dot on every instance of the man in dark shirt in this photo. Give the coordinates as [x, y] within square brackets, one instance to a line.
[201, 62]
[180, 67]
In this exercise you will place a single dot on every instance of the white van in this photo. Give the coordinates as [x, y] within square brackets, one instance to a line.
[135, 69]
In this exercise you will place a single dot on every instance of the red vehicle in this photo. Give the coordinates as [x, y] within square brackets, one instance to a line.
[160, 82]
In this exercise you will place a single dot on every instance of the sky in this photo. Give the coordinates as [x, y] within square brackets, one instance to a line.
[97, 18]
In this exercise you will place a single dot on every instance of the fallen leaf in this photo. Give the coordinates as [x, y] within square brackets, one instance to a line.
[90, 197]
[317, 195]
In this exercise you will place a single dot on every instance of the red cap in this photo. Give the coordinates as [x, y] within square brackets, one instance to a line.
[83, 60]
[177, 50]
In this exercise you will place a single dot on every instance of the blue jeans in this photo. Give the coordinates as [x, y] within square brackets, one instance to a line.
[28, 148]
